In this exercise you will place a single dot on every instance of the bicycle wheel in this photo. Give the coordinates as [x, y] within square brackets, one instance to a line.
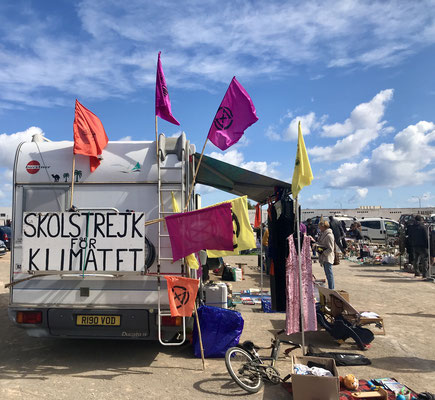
[240, 367]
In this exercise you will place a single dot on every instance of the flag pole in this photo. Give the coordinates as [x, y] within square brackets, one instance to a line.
[261, 254]
[199, 334]
[194, 176]
[162, 206]
[157, 140]
[72, 181]
[300, 274]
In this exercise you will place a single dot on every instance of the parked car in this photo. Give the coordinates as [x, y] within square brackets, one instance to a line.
[346, 220]
[2, 248]
[6, 236]
[379, 229]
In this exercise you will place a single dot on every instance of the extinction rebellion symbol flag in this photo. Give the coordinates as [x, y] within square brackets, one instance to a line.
[182, 294]
[235, 114]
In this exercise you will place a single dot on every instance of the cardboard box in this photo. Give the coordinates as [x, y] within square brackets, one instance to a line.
[310, 387]
[337, 304]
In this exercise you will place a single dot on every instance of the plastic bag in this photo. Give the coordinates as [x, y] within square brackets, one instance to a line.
[220, 329]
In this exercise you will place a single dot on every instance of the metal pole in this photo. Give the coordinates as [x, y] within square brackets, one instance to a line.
[72, 181]
[194, 176]
[261, 254]
[300, 276]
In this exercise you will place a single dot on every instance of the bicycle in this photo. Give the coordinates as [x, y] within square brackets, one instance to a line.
[249, 370]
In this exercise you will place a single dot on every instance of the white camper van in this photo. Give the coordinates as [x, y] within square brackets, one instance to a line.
[95, 272]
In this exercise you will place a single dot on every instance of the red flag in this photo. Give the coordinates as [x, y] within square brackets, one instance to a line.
[257, 221]
[235, 114]
[208, 228]
[89, 135]
[182, 294]
[163, 104]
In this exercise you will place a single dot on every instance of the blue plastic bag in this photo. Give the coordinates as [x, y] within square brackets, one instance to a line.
[220, 329]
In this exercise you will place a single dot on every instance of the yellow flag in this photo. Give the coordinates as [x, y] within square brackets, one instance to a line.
[243, 238]
[302, 175]
[191, 260]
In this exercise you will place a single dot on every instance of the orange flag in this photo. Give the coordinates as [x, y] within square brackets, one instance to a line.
[89, 135]
[182, 294]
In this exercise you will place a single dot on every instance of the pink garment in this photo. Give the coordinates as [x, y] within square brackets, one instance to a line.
[163, 104]
[292, 320]
[209, 228]
[235, 114]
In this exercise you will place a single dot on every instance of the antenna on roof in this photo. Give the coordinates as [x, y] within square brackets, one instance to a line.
[39, 137]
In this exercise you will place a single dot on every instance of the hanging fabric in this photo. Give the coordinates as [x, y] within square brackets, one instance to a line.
[281, 225]
[293, 293]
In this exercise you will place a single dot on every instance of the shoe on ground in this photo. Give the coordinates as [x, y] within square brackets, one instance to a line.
[417, 274]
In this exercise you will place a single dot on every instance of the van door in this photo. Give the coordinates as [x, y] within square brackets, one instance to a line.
[372, 230]
[391, 229]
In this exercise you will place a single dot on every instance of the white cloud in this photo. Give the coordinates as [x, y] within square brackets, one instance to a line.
[9, 143]
[125, 139]
[237, 158]
[309, 123]
[204, 189]
[319, 198]
[409, 160]
[390, 193]
[202, 43]
[272, 134]
[362, 127]
[362, 192]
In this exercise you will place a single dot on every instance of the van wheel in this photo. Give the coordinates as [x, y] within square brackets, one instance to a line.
[366, 238]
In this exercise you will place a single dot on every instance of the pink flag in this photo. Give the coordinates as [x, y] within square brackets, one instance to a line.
[163, 104]
[235, 114]
[208, 228]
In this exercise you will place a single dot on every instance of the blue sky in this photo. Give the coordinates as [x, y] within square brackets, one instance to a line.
[359, 76]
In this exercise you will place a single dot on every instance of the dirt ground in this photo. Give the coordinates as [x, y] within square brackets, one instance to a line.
[99, 369]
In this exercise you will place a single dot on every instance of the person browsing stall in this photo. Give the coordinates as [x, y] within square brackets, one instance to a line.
[325, 248]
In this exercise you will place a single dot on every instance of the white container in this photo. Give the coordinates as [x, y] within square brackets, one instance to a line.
[237, 274]
[216, 295]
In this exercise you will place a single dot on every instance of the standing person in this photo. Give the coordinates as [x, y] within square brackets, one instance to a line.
[265, 244]
[355, 234]
[325, 248]
[338, 231]
[312, 233]
[419, 241]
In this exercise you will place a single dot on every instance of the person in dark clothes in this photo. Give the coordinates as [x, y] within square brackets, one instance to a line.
[338, 231]
[312, 231]
[418, 239]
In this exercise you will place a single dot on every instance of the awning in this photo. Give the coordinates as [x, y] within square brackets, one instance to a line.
[236, 180]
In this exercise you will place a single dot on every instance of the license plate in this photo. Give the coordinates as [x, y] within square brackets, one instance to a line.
[98, 320]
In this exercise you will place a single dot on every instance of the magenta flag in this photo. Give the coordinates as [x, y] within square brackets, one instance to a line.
[163, 104]
[235, 114]
[209, 228]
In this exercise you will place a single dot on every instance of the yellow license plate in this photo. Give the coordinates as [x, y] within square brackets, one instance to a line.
[99, 320]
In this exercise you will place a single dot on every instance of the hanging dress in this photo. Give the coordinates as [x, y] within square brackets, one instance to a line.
[292, 320]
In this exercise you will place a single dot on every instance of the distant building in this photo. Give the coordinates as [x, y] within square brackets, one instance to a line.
[359, 213]
[367, 212]
[5, 215]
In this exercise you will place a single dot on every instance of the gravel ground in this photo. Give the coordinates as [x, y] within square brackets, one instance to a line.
[101, 369]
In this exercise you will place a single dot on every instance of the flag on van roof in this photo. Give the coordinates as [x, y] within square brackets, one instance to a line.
[89, 135]
[235, 114]
[207, 228]
[163, 104]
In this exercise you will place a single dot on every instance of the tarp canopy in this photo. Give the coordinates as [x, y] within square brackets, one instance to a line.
[236, 180]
